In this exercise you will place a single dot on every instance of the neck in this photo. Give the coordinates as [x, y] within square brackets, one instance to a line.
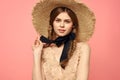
[55, 37]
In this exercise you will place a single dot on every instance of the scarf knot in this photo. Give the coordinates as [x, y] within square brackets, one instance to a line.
[59, 41]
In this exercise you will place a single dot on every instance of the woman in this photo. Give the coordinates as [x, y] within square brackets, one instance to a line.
[63, 54]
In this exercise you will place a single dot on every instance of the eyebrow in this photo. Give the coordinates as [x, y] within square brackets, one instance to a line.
[65, 19]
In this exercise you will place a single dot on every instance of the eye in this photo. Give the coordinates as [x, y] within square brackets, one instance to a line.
[57, 20]
[68, 21]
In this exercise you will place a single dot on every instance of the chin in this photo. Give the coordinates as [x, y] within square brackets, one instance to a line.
[62, 34]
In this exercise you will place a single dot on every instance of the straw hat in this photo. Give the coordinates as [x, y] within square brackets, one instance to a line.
[86, 18]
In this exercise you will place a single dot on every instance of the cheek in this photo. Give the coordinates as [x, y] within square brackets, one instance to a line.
[69, 27]
[55, 25]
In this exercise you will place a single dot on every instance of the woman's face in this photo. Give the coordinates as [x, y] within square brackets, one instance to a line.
[62, 24]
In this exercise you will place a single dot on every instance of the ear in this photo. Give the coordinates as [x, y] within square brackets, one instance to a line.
[73, 29]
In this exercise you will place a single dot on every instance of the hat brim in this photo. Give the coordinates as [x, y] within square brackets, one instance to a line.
[86, 17]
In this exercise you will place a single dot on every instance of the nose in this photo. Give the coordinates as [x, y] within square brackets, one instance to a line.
[62, 24]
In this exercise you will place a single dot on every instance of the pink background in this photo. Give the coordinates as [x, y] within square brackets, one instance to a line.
[17, 35]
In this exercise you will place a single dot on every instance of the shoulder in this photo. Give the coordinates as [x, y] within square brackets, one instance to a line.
[84, 47]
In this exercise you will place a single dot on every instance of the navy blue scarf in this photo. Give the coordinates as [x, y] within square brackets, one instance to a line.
[59, 41]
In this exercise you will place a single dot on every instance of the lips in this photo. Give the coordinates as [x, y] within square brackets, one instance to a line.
[61, 30]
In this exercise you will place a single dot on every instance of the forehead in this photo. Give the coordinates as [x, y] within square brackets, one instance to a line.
[63, 15]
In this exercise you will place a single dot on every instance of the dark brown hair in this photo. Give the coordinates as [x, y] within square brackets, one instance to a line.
[54, 13]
